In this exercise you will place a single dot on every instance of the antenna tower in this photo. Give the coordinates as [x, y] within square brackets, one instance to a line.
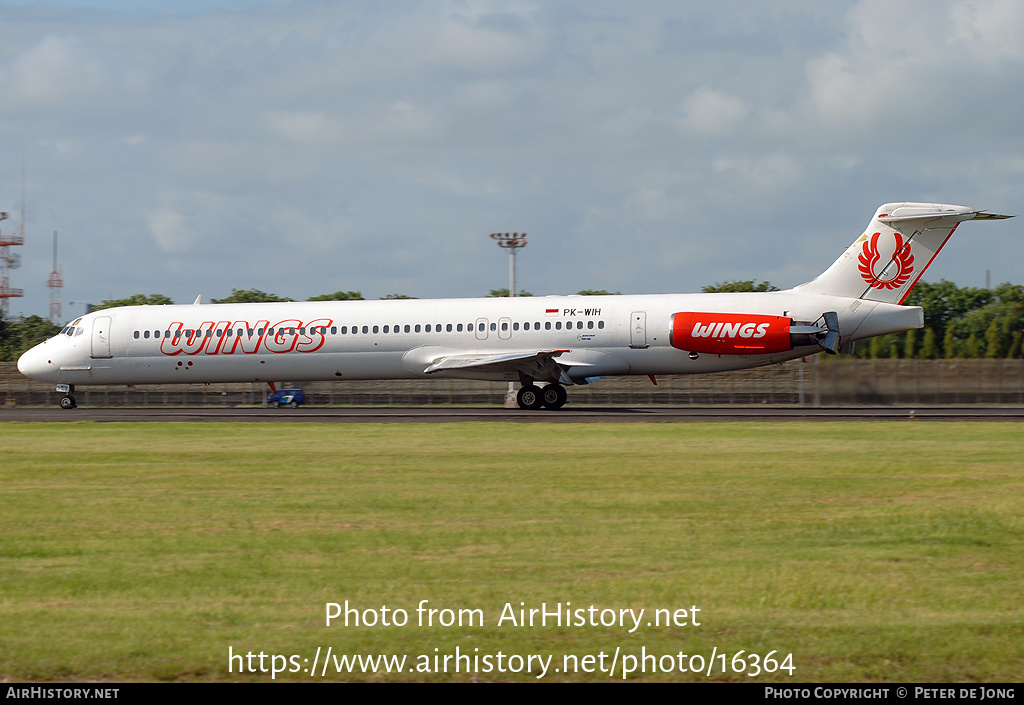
[56, 283]
[11, 260]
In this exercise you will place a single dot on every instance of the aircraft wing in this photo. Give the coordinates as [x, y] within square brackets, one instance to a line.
[536, 364]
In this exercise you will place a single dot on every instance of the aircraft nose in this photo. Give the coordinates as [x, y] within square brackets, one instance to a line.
[33, 363]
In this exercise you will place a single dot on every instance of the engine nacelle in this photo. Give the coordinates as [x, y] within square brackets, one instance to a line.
[730, 333]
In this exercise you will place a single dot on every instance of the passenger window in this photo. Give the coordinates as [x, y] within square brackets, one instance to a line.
[494, 326]
[385, 329]
[469, 327]
[590, 325]
[428, 328]
[459, 328]
[547, 325]
[136, 335]
[558, 325]
[417, 327]
[600, 325]
[515, 326]
[448, 327]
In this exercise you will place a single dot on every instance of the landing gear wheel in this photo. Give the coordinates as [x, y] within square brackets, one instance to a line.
[68, 402]
[529, 397]
[553, 396]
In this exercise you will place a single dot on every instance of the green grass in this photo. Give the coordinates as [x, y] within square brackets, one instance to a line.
[870, 551]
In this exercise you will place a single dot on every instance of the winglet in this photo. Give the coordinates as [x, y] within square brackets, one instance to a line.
[199, 300]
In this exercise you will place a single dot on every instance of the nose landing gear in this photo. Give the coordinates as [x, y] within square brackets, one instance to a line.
[532, 397]
[67, 401]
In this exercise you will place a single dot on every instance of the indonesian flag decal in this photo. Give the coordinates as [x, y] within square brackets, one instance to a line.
[551, 312]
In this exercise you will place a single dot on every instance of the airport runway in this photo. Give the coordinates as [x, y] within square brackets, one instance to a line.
[565, 415]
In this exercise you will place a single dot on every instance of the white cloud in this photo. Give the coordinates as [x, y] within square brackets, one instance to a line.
[711, 112]
[776, 172]
[51, 73]
[310, 127]
[167, 228]
[908, 68]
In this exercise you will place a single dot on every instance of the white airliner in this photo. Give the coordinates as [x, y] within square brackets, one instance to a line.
[544, 343]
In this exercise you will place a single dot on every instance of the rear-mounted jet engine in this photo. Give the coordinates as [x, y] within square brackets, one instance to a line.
[749, 334]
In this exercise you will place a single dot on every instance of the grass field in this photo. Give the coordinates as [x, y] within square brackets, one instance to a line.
[868, 551]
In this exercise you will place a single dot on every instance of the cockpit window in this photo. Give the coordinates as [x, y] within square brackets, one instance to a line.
[70, 329]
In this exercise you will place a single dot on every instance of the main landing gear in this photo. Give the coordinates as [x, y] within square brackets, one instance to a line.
[531, 397]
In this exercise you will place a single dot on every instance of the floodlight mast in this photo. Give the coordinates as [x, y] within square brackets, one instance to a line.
[511, 242]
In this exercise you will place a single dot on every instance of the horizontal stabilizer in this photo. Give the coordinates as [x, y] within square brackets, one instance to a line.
[898, 217]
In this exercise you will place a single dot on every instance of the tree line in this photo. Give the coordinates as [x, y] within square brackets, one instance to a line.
[959, 322]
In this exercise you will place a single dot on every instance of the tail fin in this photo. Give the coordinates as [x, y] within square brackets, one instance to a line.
[901, 241]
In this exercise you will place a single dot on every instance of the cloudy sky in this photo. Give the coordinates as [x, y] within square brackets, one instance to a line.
[304, 146]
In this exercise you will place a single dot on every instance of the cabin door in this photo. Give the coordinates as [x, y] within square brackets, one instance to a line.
[638, 329]
[101, 336]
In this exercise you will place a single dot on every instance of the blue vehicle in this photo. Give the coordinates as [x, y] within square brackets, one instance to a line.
[286, 397]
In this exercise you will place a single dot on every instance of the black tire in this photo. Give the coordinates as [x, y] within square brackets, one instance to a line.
[294, 405]
[529, 397]
[553, 396]
[67, 402]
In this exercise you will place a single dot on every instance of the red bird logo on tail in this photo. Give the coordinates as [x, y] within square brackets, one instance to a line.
[902, 258]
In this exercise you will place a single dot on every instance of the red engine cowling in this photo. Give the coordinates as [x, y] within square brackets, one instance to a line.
[730, 333]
